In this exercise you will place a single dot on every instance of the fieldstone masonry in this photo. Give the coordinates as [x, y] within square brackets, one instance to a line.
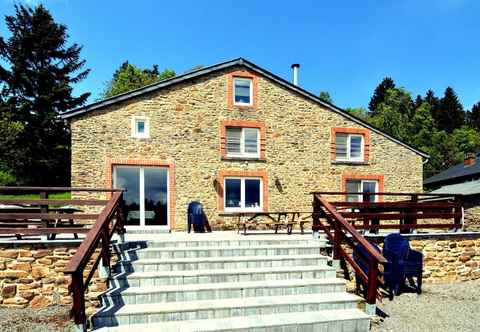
[185, 130]
[32, 276]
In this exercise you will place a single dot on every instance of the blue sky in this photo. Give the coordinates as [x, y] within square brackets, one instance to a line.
[344, 47]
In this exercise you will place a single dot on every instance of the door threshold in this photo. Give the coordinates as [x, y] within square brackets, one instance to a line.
[148, 231]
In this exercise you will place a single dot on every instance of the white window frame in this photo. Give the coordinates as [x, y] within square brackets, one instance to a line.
[360, 196]
[142, 225]
[135, 133]
[242, 207]
[349, 152]
[251, 91]
[242, 144]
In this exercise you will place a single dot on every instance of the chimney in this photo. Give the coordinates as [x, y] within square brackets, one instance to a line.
[295, 67]
[470, 159]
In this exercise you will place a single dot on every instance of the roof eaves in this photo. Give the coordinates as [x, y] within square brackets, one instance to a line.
[332, 107]
[226, 64]
[149, 88]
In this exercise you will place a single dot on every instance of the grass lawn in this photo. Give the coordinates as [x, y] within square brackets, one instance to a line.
[56, 195]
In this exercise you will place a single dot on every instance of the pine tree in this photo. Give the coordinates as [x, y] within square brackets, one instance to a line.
[474, 116]
[380, 93]
[37, 72]
[418, 102]
[325, 96]
[450, 114]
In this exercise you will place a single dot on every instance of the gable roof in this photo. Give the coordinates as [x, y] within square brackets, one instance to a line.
[225, 65]
[458, 171]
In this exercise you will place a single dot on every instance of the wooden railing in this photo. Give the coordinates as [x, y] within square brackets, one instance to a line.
[341, 232]
[411, 213]
[107, 222]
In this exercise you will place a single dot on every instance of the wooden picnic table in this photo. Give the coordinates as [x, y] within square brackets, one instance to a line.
[277, 219]
[47, 223]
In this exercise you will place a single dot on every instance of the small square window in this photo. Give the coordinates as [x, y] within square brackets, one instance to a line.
[140, 127]
[242, 88]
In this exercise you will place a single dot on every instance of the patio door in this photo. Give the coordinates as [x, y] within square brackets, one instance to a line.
[146, 198]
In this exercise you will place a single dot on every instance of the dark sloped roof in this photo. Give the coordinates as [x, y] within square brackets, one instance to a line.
[464, 188]
[221, 66]
[457, 171]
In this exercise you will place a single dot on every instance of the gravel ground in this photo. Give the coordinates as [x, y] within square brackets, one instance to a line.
[51, 319]
[440, 308]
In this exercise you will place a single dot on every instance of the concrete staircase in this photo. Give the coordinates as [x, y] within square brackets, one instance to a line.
[251, 283]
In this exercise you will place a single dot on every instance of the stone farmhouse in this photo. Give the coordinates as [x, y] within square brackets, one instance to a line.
[234, 137]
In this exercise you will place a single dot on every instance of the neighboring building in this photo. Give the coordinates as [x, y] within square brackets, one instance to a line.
[464, 179]
[236, 138]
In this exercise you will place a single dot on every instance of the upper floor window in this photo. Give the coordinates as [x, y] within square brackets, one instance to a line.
[140, 127]
[242, 142]
[349, 147]
[242, 91]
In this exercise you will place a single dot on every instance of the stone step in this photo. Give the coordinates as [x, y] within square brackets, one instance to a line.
[213, 291]
[221, 251]
[142, 279]
[223, 308]
[209, 263]
[346, 320]
[218, 243]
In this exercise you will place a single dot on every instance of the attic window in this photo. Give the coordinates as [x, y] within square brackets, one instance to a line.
[243, 89]
[140, 127]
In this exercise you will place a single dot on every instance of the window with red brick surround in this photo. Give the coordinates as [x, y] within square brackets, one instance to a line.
[363, 176]
[110, 163]
[242, 74]
[222, 174]
[241, 124]
[359, 131]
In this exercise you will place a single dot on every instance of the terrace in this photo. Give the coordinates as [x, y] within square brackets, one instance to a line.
[89, 224]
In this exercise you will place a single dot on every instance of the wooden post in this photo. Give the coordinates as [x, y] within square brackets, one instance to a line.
[414, 211]
[458, 210]
[104, 270]
[44, 209]
[315, 216]
[372, 286]
[337, 240]
[78, 308]
[366, 220]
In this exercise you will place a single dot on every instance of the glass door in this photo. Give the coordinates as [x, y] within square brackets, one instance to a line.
[146, 198]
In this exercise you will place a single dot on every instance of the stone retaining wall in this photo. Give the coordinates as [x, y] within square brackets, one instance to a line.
[31, 275]
[447, 257]
[450, 259]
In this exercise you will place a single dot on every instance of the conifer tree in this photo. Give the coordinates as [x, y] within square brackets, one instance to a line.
[37, 72]
[450, 114]
[380, 93]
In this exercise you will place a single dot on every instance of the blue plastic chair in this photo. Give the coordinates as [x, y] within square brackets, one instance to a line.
[360, 256]
[196, 217]
[406, 263]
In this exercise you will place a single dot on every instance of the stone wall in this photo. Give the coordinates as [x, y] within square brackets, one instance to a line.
[31, 275]
[185, 128]
[449, 260]
[472, 213]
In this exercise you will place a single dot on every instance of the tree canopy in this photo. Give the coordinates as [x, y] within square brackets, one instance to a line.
[37, 72]
[130, 77]
[437, 126]
[325, 96]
